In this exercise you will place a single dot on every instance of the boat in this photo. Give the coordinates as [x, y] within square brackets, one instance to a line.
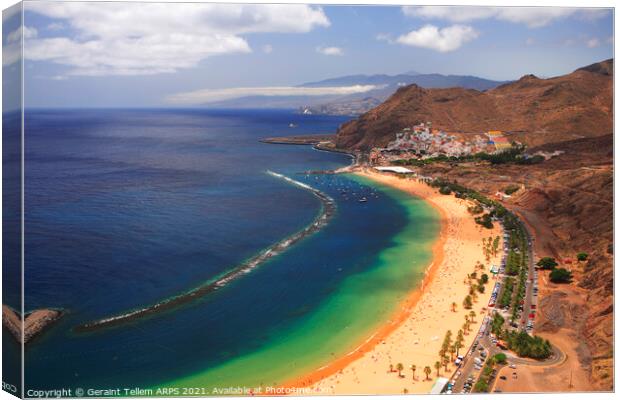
[363, 200]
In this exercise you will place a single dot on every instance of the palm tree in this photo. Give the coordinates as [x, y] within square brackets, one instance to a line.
[458, 345]
[391, 368]
[472, 315]
[427, 371]
[437, 367]
[446, 362]
[412, 368]
[452, 350]
[399, 368]
[467, 303]
[459, 342]
[453, 306]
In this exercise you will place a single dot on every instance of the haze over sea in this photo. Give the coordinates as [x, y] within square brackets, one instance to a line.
[127, 207]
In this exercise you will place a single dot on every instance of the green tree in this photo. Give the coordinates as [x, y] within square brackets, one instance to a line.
[547, 263]
[500, 358]
[481, 386]
[437, 367]
[472, 316]
[496, 324]
[427, 371]
[560, 275]
[445, 190]
[582, 256]
[495, 245]
[453, 350]
[445, 361]
[467, 303]
[399, 368]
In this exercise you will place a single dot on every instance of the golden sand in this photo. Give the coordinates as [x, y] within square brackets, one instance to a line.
[414, 335]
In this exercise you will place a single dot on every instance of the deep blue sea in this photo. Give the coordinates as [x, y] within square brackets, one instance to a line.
[126, 207]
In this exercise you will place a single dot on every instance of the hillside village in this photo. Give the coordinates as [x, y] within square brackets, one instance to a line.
[422, 141]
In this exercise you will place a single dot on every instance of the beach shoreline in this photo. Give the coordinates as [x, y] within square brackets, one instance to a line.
[342, 376]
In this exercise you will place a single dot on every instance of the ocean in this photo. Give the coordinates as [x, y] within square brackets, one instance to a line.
[125, 208]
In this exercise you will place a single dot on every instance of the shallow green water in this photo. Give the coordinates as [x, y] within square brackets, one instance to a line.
[363, 302]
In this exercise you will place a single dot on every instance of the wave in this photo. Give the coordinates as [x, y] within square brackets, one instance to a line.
[328, 208]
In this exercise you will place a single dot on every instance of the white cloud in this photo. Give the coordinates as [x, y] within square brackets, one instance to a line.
[450, 13]
[267, 49]
[12, 49]
[330, 51]
[583, 40]
[442, 40]
[150, 38]
[533, 17]
[212, 95]
[569, 42]
[16, 35]
[11, 53]
[384, 37]
[55, 26]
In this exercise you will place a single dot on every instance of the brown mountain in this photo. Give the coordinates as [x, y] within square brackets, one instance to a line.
[567, 203]
[536, 111]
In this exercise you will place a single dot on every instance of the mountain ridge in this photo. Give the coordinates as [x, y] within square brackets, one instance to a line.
[535, 110]
[355, 104]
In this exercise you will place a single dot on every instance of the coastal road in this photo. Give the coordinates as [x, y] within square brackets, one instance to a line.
[557, 357]
[467, 366]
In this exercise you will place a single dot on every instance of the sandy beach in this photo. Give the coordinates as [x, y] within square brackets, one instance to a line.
[415, 333]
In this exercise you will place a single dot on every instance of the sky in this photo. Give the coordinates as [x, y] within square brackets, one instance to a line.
[80, 54]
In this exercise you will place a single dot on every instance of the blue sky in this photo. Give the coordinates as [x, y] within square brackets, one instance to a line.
[118, 54]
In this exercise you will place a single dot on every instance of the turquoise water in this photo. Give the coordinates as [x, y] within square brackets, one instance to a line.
[362, 303]
[125, 208]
